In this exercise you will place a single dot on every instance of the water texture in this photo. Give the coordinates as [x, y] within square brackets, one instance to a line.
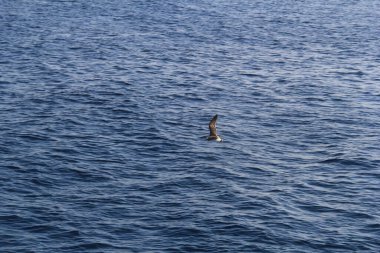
[104, 107]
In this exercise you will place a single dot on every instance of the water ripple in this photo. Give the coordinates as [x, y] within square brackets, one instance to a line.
[104, 114]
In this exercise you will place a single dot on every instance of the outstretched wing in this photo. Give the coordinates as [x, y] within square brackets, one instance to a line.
[212, 125]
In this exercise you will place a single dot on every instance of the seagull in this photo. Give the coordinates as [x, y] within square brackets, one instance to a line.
[213, 136]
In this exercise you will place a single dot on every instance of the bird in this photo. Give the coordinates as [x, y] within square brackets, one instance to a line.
[212, 125]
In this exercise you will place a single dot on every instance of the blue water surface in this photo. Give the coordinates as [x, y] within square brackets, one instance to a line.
[104, 111]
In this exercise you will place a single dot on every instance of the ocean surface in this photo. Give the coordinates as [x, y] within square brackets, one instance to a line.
[104, 112]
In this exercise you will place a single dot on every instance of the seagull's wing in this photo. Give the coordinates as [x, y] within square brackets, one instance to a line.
[212, 126]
